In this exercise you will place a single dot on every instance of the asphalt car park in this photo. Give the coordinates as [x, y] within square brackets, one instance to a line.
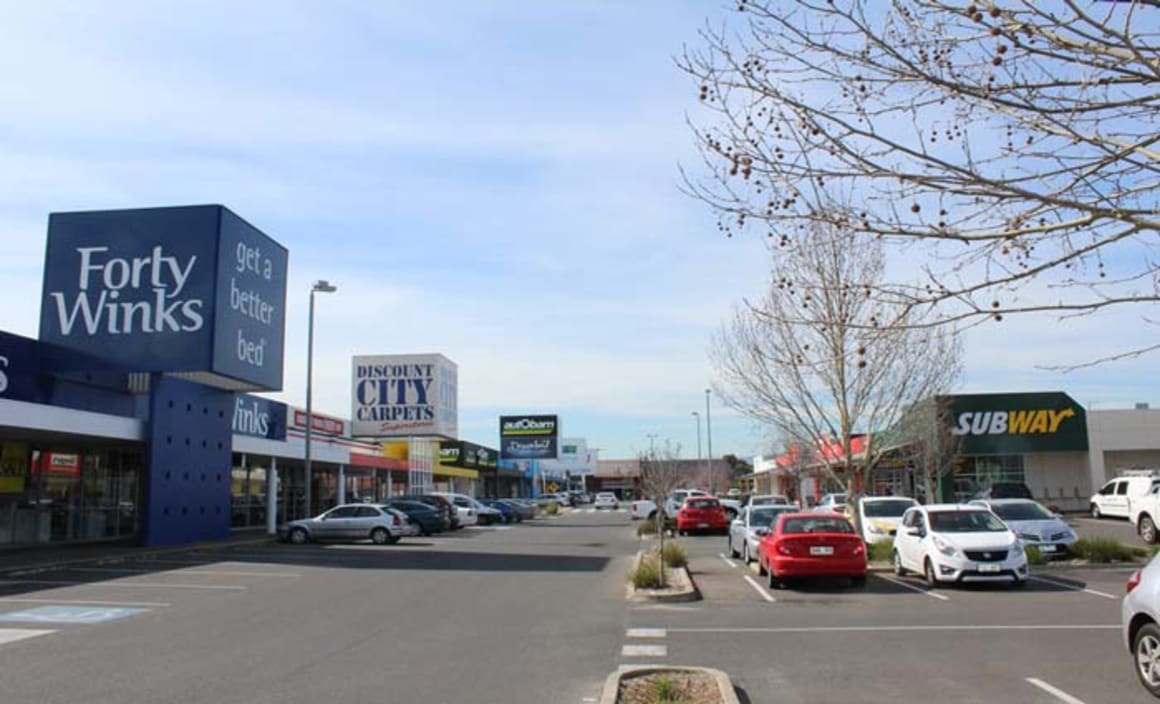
[1057, 639]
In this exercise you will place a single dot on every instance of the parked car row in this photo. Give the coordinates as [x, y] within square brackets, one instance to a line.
[388, 521]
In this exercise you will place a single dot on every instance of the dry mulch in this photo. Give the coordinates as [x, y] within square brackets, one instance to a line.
[691, 688]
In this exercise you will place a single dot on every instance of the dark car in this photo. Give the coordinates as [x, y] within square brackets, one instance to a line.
[509, 513]
[447, 507]
[431, 519]
[524, 509]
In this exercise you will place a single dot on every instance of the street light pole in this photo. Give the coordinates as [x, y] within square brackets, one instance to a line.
[651, 447]
[709, 442]
[698, 417]
[321, 286]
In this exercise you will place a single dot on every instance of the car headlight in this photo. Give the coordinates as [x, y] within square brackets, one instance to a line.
[943, 546]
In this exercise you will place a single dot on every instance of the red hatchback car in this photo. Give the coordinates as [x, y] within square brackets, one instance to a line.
[812, 545]
[701, 513]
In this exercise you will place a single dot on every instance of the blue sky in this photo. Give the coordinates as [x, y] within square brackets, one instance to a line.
[497, 182]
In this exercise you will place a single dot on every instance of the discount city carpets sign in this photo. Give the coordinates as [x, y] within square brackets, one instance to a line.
[404, 395]
[528, 437]
[191, 289]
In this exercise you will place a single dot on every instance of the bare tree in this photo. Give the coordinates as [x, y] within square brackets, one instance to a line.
[661, 472]
[812, 360]
[1013, 143]
[925, 442]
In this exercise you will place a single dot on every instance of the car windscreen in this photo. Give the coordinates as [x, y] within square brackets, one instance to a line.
[764, 518]
[965, 522]
[1022, 512]
[702, 503]
[816, 525]
[886, 509]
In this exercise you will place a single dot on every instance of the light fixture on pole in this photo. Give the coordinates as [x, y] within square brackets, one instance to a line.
[709, 443]
[321, 286]
[698, 417]
[651, 446]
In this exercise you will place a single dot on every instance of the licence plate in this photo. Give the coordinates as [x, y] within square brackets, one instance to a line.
[702, 525]
[989, 568]
[1046, 548]
[821, 550]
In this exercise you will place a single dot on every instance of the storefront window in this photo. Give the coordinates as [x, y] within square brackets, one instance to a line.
[977, 473]
[247, 494]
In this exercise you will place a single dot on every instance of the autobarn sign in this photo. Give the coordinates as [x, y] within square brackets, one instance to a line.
[529, 437]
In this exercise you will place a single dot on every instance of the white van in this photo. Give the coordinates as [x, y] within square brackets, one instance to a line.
[1115, 498]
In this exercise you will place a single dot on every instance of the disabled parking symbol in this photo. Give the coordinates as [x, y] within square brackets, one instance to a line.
[70, 614]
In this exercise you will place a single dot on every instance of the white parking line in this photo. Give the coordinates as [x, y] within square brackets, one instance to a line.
[911, 587]
[152, 585]
[11, 635]
[1073, 588]
[211, 573]
[85, 602]
[643, 651]
[729, 562]
[1054, 691]
[892, 629]
[646, 633]
[760, 589]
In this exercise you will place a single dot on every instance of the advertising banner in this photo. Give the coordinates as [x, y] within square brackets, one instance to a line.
[528, 437]
[1017, 423]
[460, 453]
[319, 423]
[404, 395]
[259, 417]
[193, 290]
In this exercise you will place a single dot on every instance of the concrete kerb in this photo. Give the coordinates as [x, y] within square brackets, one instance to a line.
[611, 692]
[129, 554]
[682, 587]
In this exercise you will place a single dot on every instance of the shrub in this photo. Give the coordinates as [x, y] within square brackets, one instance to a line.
[675, 555]
[666, 690]
[647, 528]
[1103, 550]
[882, 551]
[647, 574]
[1034, 556]
[552, 508]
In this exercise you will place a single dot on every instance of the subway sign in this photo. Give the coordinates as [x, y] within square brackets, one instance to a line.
[528, 437]
[194, 290]
[1018, 423]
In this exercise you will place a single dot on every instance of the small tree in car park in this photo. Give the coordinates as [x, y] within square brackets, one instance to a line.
[925, 443]
[814, 359]
[1008, 147]
[662, 472]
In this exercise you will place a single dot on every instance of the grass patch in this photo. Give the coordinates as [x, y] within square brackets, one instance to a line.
[1104, 550]
[552, 508]
[647, 574]
[665, 690]
[647, 528]
[675, 555]
[1034, 556]
[882, 551]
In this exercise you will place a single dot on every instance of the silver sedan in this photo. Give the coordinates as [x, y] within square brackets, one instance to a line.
[381, 524]
[750, 526]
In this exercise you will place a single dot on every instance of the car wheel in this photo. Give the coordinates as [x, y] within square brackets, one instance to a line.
[652, 516]
[774, 581]
[1147, 529]
[858, 582]
[760, 567]
[298, 536]
[379, 536]
[928, 573]
[745, 553]
[899, 570]
[1146, 647]
[732, 550]
[1096, 511]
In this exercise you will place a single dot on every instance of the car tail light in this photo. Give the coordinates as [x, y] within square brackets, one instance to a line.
[1133, 581]
[784, 549]
[394, 520]
[859, 548]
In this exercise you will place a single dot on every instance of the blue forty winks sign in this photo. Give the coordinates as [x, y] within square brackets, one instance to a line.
[190, 289]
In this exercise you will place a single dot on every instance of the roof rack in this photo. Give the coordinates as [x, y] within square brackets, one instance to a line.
[1138, 472]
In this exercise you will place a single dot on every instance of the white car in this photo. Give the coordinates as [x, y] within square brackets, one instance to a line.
[1139, 619]
[467, 508]
[831, 503]
[1115, 498]
[768, 500]
[732, 507]
[1034, 524]
[879, 516]
[958, 543]
[606, 499]
[747, 530]
[642, 508]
